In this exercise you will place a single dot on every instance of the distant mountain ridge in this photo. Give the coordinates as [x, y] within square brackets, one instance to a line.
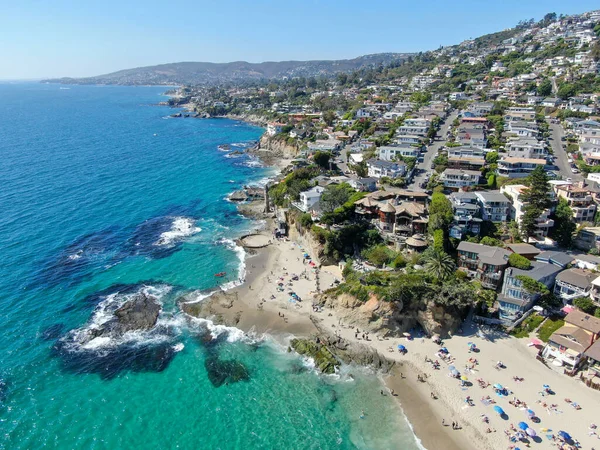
[195, 73]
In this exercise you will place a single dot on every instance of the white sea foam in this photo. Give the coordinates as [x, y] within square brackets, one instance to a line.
[241, 254]
[79, 339]
[178, 347]
[182, 227]
[233, 155]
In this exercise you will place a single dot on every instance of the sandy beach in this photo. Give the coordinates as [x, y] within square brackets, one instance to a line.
[263, 306]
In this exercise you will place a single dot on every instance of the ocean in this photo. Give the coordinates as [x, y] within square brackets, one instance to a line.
[104, 197]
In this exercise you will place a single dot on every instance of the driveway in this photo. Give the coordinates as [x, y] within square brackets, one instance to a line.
[432, 150]
[561, 161]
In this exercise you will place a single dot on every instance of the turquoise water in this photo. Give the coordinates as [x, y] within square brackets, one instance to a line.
[102, 197]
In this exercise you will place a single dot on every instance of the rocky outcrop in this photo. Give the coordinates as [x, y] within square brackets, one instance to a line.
[275, 147]
[216, 308]
[328, 352]
[440, 320]
[324, 360]
[308, 242]
[139, 313]
[393, 318]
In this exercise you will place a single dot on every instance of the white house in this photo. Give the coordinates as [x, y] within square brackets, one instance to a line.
[309, 198]
[458, 178]
[274, 128]
[390, 152]
[543, 222]
[378, 169]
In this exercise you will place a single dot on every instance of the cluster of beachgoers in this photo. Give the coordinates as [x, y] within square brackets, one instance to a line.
[477, 389]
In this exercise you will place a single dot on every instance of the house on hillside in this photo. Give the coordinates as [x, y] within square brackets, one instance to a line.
[580, 200]
[483, 263]
[573, 283]
[494, 206]
[379, 169]
[514, 300]
[567, 345]
[466, 215]
[459, 178]
[518, 167]
[543, 223]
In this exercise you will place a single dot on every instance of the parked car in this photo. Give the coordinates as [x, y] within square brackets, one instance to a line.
[574, 170]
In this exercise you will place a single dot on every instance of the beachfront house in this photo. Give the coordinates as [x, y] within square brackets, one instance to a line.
[567, 345]
[483, 263]
[573, 283]
[514, 299]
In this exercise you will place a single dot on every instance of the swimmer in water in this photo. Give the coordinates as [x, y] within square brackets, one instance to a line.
[362, 414]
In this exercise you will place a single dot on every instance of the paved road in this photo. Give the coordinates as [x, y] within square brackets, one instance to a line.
[561, 160]
[432, 150]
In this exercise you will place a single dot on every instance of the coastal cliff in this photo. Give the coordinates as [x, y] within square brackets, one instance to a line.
[308, 241]
[278, 147]
[392, 318]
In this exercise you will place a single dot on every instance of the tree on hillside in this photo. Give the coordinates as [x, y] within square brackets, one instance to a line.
[440, 212]
[564, 228]
[334, 196]
[545, 88]
[537, 198]
[328, 117]
[322, 159]
[566, 90]
[439, 265]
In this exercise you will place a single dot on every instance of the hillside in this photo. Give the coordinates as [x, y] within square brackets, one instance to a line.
[196, 73]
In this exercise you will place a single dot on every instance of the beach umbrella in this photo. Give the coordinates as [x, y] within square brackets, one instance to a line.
[498, 410]
[444, 349]
[464, 378]
[406, 334]
[545, 430]
[523, 426]
[498, 386]
[451, 368]
[546, 386]
[471, 344]
[401, 347]
[455, 372]
[563, 434]
[530, 413]
[530, 432]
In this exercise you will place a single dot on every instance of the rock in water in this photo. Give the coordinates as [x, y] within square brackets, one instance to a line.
[138, 314]
[325, 361]
[225, 372]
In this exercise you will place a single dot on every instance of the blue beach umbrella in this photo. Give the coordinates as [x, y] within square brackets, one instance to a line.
[451, 368]
[563, 434]
[401, 347]
[546, 386]
[523, 426]
[530, 413]
[498, 410]
[498, 386]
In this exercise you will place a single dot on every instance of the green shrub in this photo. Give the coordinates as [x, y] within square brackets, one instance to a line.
[518, 261]
[306, 220]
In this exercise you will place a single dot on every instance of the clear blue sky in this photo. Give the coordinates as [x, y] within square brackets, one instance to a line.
[82, 38]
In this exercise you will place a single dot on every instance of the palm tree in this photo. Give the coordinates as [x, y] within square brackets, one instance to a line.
[440, 265]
